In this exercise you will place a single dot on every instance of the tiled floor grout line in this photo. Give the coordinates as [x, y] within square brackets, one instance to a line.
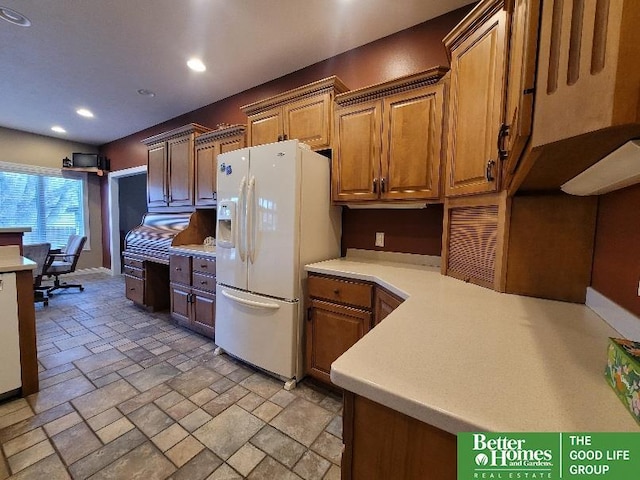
[178, 355]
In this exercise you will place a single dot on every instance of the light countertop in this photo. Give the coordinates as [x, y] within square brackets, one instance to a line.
[199, 250]
[11, 261]
[466, 358]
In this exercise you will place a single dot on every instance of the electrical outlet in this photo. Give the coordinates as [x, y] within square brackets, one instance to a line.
[380, 241]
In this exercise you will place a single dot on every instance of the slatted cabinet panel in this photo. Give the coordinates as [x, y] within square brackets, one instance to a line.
[473, 246]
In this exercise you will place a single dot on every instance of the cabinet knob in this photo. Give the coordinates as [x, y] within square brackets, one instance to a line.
[203, 266]
[382, 187]
[336, 291]
[375, 185]
[203, 282]
[178, 269]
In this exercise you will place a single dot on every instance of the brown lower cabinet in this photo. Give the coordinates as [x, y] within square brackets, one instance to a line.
[146, 283]
[385, 302]
[193, 293]
[383, 444]
[331, 330]
[339, 313]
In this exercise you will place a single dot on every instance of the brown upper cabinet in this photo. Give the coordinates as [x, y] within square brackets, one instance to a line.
[388, 140]
[208, 146]
[587, 100]
[305, 113]
[477, 47]
[170, 168]
[540, 91]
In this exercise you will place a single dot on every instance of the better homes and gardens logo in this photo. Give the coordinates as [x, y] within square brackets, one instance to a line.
[602, 456]
[513, 457]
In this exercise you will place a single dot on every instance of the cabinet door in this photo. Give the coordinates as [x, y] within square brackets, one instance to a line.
[265, 127]
[382, 444]
[475, 109]
[229, 144]
[385, 303]
[331, 329]
[205, 174]
[309, 121]
[203, 312]
[180, 160]
[157, 176]
[412, 144]
[521, 79]
[180, 305]
[356, 160]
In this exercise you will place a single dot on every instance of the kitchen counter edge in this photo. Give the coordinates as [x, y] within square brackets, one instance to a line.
[465, 358]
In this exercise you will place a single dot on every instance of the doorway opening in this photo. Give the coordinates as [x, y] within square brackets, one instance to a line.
[127, 206]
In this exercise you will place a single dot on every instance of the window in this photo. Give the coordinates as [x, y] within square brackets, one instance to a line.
[53, 205]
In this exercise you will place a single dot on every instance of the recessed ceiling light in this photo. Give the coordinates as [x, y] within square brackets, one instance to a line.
[196, 65]
[146, 93]
[83, 112]
[58, 129]
[14, 17]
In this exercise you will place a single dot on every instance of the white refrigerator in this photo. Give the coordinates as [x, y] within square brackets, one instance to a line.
[274, 216]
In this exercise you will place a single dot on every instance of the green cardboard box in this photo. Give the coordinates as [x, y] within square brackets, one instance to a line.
[623, 373]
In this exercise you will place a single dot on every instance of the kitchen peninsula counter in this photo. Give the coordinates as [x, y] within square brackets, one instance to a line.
[465, 358]
[18, 344]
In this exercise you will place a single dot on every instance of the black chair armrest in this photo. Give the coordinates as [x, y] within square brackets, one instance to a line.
[55, 251]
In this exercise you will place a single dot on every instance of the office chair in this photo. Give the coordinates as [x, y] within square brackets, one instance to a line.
[38, 252]
[60, 263]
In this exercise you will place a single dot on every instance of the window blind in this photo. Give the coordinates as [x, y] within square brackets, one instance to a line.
[52, 205]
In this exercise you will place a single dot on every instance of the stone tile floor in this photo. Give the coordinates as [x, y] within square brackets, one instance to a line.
[127, 394]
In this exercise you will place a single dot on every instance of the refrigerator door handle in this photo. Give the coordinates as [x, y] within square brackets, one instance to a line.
[251, 220]
[251, 303]
[240, 219]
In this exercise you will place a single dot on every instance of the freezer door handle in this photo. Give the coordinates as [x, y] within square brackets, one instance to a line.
[251, 303]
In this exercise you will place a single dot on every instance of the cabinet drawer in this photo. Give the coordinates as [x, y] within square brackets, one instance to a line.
[204, 265]
[133, 271]
[134, 289]
[180, 269]
[134, 262]
[204, 282]
[351, 293]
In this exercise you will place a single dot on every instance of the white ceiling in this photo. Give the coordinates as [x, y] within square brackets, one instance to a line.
[97, 53]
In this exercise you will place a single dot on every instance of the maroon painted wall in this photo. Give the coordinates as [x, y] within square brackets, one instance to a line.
[403, 53]
[616, 261]
[407, 231]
